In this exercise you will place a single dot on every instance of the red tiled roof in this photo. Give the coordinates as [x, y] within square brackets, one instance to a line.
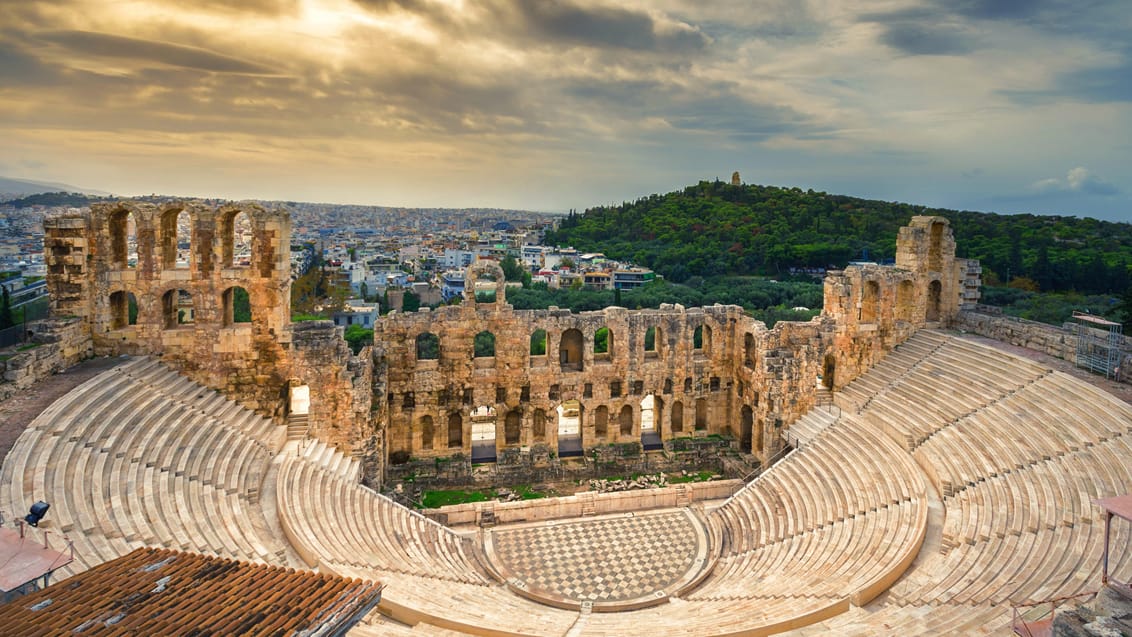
[163, 592]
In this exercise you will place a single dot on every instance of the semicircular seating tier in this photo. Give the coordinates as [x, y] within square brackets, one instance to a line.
[956, 479]
[141, 456]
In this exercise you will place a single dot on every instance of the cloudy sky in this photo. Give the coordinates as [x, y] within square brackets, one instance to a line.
[1005, 105]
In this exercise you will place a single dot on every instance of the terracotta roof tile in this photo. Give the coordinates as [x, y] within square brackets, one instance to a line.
[163, 592]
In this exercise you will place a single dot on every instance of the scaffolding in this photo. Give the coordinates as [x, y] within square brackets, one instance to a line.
[1098, 344]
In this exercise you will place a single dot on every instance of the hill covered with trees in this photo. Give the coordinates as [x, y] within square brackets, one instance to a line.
[715, 228]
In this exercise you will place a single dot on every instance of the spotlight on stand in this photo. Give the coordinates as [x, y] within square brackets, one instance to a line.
[38, 510]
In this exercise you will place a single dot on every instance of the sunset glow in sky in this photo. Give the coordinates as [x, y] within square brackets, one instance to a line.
[1004, 105]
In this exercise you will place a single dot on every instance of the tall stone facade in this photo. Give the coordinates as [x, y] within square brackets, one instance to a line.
[167, 280]
[480, 375]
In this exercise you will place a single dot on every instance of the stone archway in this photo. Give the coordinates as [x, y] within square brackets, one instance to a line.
[479, 269]
[483, 434]
[569, 425]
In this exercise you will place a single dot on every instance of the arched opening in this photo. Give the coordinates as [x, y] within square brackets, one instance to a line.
[870, 302]
[652, 344]
[569, 429]
[750, 353]
[484, 345]
[701, 340]
[123, 239]
[935, 301]
[236, 240]
[688, 385]
[668, 386]
[237, 306]
[935, 248]
[485, 287]
[123, 310]
[427, 433]
[177, 309]
[701, 414]
[455, 431]
[570, 350]
[512, 427]
[650, 416]
[905, 300]
[828, 371]
[428, 346]
[625, 420]
[538, 343]
[538, 426]
[483, 434]
[746, 424]
[603, 344]
[677, 418]
[601, 422]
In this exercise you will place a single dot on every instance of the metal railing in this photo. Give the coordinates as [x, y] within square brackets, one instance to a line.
[1034, 619]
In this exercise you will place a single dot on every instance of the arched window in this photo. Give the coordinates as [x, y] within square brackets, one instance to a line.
[512, 427]
[123, 239]
[667, 385]
[538, 342]
[427, 433]
[652, 335]
[177, 308]
[455, 431]
[237, 306]
[688, 385]
[701, 340]
[601, 422]
[484, 344]
[123, 310]
[677, 417]
[870, 302]
[905, 300]
[570, 351]
[625, 419]
[235, 240]
[603, 343]
[428, 346]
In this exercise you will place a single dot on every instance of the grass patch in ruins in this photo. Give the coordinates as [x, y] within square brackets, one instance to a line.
[699, 476]
[439, 498]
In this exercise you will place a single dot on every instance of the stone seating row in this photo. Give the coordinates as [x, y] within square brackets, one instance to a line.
[897, 363]
[124, 468]
[838, 475]
[157, 377]
[847, 557]
[914, 620]
[331, 459]
[345, 523]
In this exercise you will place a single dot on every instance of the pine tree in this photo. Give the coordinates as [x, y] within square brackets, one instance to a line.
[6, 319]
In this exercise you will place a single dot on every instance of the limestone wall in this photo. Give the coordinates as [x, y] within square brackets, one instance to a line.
[56, 344]
[341, 384]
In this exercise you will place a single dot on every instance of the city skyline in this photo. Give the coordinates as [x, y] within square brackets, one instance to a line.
[998, 105]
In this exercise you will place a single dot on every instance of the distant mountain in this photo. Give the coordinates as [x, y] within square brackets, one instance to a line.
[16, 188]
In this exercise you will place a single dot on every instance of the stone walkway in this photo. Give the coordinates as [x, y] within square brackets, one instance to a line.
[21, 409]
[627, 560]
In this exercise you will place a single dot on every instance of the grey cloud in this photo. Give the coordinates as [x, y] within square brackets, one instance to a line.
[562, 23]
[921, 39]
[1098, 85]
[115, 46]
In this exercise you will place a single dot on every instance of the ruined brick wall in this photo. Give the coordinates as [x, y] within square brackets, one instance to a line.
[55, 345]
[193, 269]
[340, 384]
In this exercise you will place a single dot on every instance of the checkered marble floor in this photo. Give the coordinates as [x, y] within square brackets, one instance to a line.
[610, 559]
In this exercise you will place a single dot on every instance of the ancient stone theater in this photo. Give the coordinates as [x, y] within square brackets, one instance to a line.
[910, 478]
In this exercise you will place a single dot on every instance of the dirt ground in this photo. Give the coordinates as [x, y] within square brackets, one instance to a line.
[21, 409]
